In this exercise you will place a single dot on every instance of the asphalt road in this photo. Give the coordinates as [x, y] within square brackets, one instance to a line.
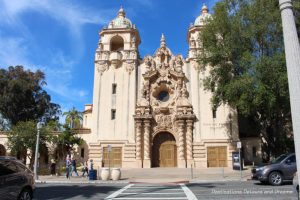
[218, 190]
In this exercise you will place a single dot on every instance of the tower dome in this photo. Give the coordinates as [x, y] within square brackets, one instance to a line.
[200, 20]
[120, 21]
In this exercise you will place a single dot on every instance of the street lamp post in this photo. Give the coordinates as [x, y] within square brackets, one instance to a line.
[292, 55]
[38, 126]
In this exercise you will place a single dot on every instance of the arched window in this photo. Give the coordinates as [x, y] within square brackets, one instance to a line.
[116, 43]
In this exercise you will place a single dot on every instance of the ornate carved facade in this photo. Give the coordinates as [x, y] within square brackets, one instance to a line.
[154, 109]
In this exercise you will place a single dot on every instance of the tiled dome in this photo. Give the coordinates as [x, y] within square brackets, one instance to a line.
[200, 21]
[120, 21]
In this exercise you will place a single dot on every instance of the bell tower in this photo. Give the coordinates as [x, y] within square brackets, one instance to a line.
[116, 62]
[193, 33]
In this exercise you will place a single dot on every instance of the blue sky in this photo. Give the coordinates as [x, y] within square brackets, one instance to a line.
[59, 37]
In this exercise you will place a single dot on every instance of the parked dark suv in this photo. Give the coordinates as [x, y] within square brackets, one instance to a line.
[278, 170]
[16, 180]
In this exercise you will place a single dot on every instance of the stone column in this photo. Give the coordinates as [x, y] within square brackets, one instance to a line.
[147, 161]
[181, 157]
[189, 143]
[292, 55]
[138, 141]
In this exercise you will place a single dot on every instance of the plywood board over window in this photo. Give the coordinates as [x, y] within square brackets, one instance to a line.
[217, 156]
[112, 159]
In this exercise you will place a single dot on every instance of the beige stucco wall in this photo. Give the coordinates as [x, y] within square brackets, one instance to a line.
[207, 131]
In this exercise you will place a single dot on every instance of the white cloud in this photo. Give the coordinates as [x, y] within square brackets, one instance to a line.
[82, 93]
[13, 52]
[18, 42]
[63, 11]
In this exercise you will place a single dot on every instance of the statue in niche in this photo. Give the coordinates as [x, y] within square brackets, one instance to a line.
[184, 91]
[193, 43]
[163, 55]
[149, 63]
[133, 41]
[177, 63]
[146, 91]
[178, 87]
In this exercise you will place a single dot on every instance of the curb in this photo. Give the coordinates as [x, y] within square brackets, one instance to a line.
[219, 181]
[81, 182]
[138, 182]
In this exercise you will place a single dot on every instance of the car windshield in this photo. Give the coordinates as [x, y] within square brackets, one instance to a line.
[278, 159]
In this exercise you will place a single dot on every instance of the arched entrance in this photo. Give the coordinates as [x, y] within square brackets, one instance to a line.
[164, 150]
[2, 150]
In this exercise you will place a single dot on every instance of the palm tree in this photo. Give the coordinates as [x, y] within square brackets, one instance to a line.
[73, 118]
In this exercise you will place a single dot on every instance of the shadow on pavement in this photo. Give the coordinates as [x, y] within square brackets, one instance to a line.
[205, 185]
[266, 183]
[46, 192]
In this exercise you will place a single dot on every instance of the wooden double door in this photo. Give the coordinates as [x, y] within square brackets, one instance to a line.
[217, 156]
[113, 158]
[164, 151]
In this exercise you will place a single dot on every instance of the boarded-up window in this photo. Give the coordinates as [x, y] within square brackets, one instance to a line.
[216, 156]
[113, 158]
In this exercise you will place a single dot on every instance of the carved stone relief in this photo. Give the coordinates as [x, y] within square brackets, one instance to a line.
[129, 65]
[149, 64]
[102, 66]
[164, 121]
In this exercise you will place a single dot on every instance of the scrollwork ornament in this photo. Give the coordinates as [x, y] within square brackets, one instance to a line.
[129, 66]
[102, 66]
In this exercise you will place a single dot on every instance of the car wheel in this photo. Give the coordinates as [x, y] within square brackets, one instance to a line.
[25, 195]
[275, 178]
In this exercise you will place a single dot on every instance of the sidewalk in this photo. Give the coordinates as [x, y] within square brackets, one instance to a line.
[160, 175]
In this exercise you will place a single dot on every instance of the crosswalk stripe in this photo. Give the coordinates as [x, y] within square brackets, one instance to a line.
[115, 194]
[154, 193]
[133, 188]
[166, 198]
[190, 195]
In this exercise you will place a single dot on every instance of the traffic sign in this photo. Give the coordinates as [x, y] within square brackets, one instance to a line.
[239, 145]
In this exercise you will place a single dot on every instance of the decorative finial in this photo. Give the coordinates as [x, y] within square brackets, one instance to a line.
[204, 9]
[162, 41]
[121, 12]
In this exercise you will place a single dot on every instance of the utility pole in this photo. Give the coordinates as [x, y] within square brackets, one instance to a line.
[38, 126]
[292, 55]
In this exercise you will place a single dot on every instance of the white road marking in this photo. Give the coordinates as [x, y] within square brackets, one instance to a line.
[115, 194]
[118, 195]
[153, 198]
[154, 193]
[190, 195]
[133, 188]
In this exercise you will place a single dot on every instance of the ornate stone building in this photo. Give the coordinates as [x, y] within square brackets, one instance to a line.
[153, 112]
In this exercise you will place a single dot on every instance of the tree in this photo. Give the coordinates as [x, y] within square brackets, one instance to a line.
[22, 97]
[22, 137]
[243, 51]
[65, 142]
[73, 118]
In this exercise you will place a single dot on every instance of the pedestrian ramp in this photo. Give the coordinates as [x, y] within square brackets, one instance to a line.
[153, 192]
